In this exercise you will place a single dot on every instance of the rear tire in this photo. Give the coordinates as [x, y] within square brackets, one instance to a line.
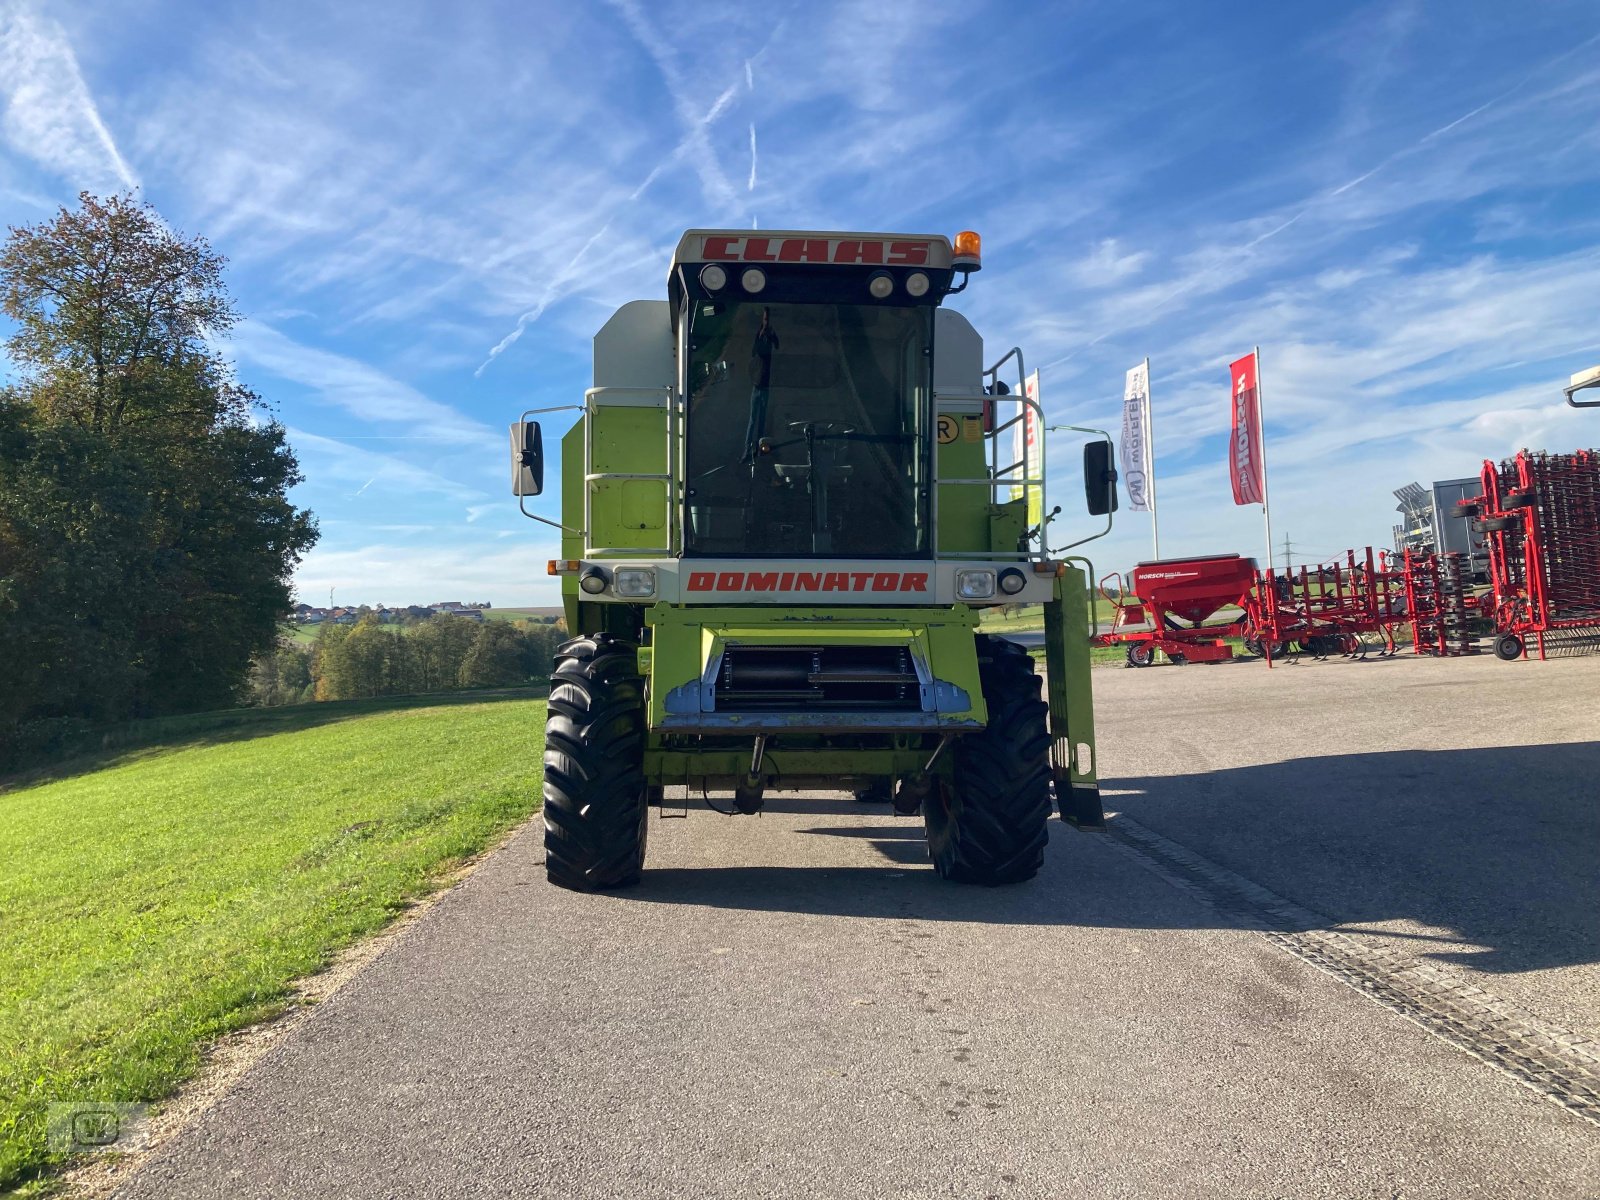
[596, 815]
[987, 823]
[1140, 654]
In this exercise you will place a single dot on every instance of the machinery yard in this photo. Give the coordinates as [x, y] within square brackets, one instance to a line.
[831, 1020]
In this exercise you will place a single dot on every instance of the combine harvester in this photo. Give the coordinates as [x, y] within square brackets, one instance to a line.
[781, 514]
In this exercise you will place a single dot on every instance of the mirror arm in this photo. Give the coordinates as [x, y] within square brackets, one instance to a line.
[522, 501]
[522, 504]
[1109, 518]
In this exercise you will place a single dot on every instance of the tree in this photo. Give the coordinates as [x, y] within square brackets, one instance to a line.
[113, 313]
[146, 535]
[441, 644]
[496, 658]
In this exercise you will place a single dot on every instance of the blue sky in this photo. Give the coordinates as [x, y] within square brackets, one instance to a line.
[430, 209]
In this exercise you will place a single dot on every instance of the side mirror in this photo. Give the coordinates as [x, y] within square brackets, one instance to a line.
[1100, 478]
[527, 459]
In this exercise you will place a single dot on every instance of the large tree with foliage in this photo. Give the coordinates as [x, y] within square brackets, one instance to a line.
[146, 536]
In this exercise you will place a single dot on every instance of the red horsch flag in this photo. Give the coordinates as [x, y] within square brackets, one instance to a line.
[1245, 464]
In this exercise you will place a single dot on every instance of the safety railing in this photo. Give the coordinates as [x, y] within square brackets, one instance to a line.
[1005, 477]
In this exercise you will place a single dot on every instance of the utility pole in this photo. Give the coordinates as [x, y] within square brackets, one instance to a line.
[1288, 558]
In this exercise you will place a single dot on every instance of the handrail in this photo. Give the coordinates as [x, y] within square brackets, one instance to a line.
[999, 477]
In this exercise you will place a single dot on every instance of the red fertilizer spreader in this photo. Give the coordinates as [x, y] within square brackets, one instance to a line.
[1166, 605]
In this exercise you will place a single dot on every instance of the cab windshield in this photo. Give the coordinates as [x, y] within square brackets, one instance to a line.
[806, 431]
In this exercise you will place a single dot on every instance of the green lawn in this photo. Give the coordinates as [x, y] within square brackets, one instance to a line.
[1031, 616]
[153, 901]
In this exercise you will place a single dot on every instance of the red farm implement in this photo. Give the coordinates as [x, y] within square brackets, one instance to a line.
[1165, 605]
[1326, 609]
[1439, 604]
[1541, 517]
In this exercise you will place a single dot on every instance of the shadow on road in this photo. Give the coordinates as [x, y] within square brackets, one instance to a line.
[1495, 848]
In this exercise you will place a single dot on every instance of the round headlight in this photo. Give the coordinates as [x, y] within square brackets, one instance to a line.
[880, 285]
[593, 581]
[713, 278]
[1012, 581]
[917, 284]
[753, 280]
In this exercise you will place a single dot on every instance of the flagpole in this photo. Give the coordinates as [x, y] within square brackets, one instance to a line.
[1266, 502]
[1150, 460]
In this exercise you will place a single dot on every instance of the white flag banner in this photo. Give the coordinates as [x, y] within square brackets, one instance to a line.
[1032, 449]
[1136, 437]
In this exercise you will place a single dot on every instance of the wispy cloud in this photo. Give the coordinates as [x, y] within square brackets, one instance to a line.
[330, 461]
[361, 390]
[552, 292]
[750, 184]
[50, 115]
[696, 126]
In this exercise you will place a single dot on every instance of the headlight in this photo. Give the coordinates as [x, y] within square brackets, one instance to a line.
[753, 280]
[593, 580]
[1012, 581]
[636, 583]
[917, 284]
[880, 285]
[975, 585]
[713, 278]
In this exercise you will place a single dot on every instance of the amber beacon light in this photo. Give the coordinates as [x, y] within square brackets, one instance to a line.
[968, 253]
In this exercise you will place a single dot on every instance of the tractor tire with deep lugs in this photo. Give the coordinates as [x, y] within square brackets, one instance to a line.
[987, 822]
[595, 813]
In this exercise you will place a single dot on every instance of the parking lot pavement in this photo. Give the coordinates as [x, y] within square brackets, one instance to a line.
[1447, 809]
[792, 1005]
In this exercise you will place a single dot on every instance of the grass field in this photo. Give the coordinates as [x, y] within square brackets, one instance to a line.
[156, 899]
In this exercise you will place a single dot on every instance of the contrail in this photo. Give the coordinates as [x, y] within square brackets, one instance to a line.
[751, 185]
[551, 293]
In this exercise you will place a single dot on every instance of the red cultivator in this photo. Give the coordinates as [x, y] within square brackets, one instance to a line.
[1326, 609]
[1439, 604]
[1541, 515]
[1175, 599]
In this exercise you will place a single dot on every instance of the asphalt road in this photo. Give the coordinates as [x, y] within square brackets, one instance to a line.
[791, 1004]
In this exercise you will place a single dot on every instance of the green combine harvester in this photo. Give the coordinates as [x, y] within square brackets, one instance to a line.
[789, 494]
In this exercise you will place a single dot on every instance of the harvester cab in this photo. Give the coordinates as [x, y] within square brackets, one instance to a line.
[785, 500]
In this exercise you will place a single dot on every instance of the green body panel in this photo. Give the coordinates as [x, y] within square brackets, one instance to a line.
[963, 507]
[627, 514]
[1072, 748]
[1007, 523]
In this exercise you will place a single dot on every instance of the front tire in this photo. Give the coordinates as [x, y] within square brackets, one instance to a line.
[987, 823]
[596, 815]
